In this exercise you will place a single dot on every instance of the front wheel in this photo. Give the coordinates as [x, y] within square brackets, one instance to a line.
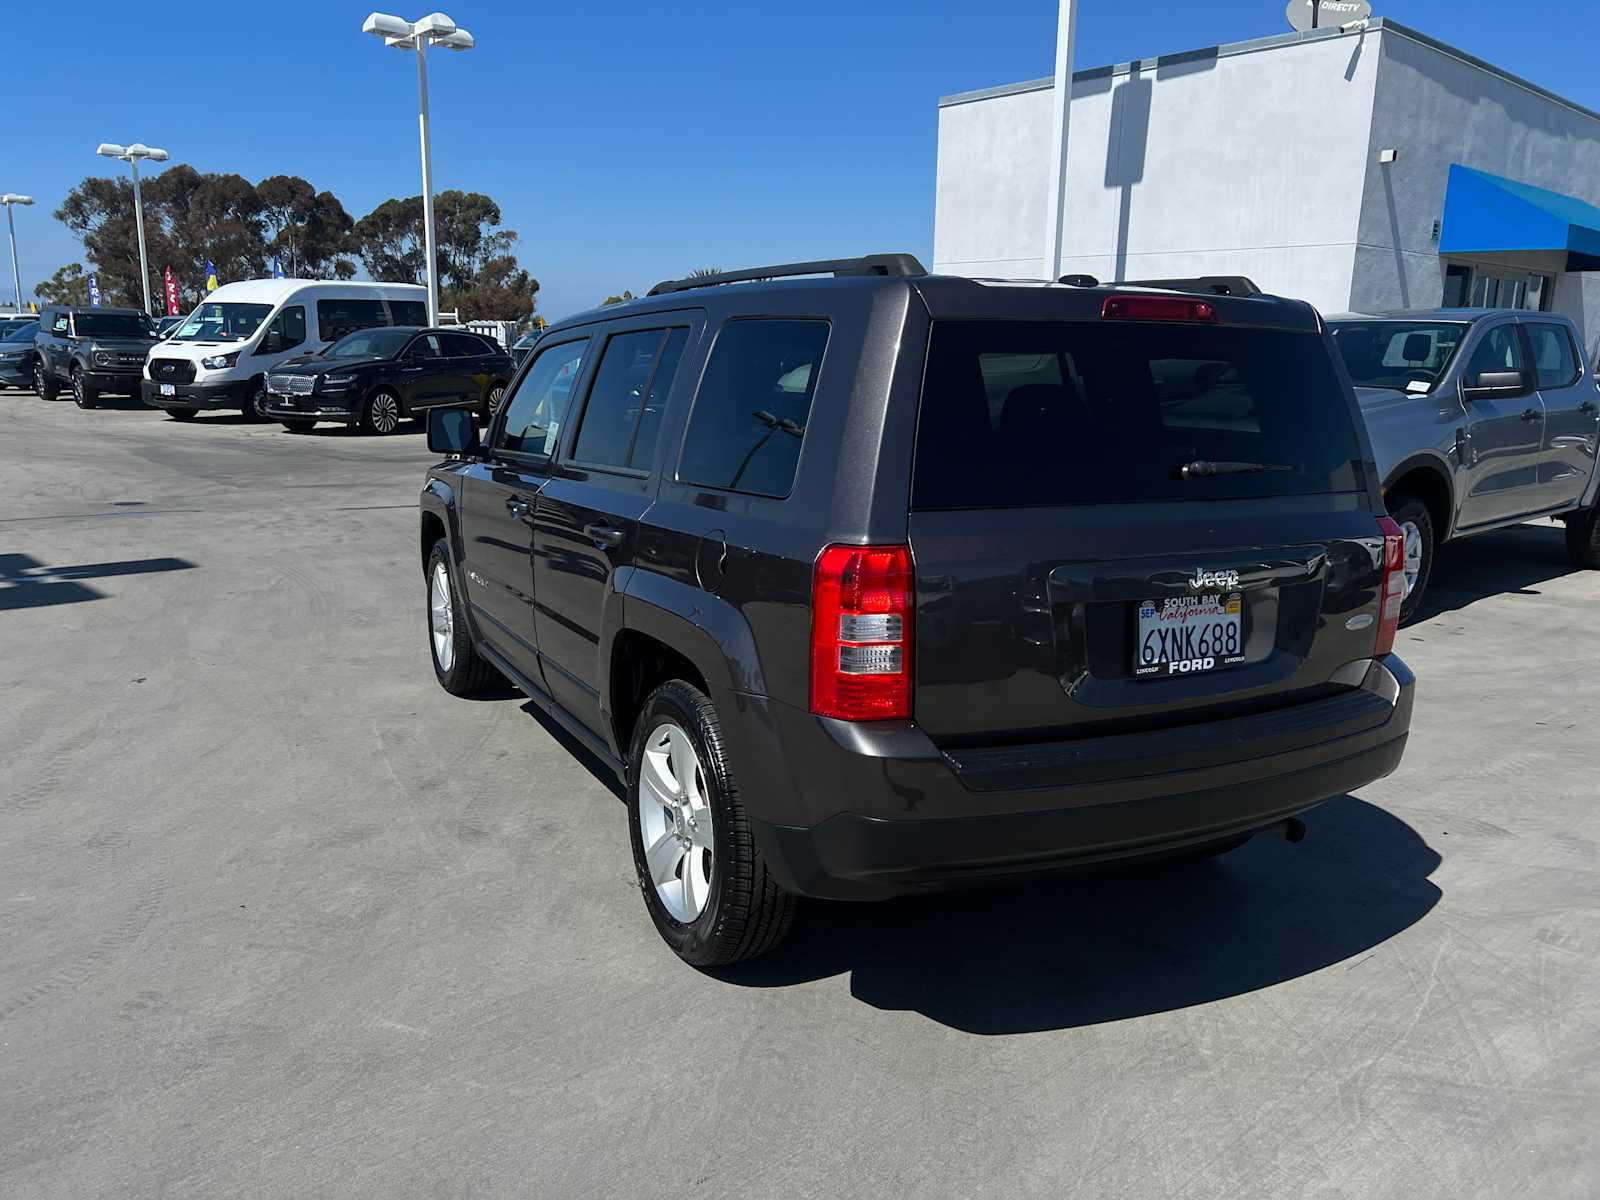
[1583, 538]
[255, 405]
[704, 881]
[381, 412]
[44, 382]
[1416, 525]
[181, 414]
[458, 666]
[83, 395]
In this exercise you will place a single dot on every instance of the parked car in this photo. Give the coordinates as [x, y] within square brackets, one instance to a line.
[92, 351]
[16, 353]
[523, 346]
[379, 377]
[878, 583]
[221, 354]
[1480, 418]
[165, 325]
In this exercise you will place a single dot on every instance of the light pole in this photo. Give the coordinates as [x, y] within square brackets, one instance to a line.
[131, 155]
[11, 199]
[1055, 234]
[415, 35]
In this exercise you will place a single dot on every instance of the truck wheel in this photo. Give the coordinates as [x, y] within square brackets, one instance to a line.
[44, 383]
[704, 882]
[381, 412]
[83, 395]
[1412, 516]
[461, 671]
[1583, 538]
[181, 414]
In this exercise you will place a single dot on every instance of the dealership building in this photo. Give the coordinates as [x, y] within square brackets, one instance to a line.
[1363, 169]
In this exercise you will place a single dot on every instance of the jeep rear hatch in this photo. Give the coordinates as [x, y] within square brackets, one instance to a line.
[1146, 520]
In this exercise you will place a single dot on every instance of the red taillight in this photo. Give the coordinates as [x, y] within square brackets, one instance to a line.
[1394, 584]
[1158, 308]
[861, 622]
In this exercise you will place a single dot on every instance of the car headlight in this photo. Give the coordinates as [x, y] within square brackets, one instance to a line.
[218, 361]
[335, 383]
[102, 359]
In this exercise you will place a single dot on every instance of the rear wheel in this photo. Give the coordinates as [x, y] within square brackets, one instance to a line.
[704, 881]
[461, 671]
[1583, 538]
[44, 383]
[381, 412]
[491, 401]
[83, 395]
[1416, 525]
[301, 426]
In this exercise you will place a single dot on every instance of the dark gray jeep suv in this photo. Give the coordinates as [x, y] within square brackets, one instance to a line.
[92, 351]
[883, 582]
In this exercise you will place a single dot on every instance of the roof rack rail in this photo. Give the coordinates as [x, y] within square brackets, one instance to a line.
[871, 264]
[1215, 285]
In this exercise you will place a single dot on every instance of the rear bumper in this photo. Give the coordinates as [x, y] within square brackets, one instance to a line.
[895, 815]
[230, 394]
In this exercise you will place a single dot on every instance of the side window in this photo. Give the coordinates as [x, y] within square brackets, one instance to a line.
[535, 412]
[617, 398]
[749, 419]
[462, 345]
[335, 318]
[59, 328]
[1554, 358]
[288, 330]
[426, 346]
[1500, 350]
[655, 400]
[406, 312]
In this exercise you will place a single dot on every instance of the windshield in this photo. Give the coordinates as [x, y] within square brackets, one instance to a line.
[1408, 356]
[221, 322]
[132, 325]
[527, 339]
[19, 333]
[369, 343]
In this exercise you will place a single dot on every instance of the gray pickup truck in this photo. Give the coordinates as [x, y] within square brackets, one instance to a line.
[1479, 419]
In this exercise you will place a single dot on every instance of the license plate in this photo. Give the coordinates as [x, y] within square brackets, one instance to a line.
[1185, 635]
[168, 389]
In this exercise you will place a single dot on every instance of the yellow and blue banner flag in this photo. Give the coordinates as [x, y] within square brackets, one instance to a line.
[212, 283]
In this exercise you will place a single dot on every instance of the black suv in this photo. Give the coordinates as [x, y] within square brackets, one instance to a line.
[376, 378]
[91, 350]
[883, 582]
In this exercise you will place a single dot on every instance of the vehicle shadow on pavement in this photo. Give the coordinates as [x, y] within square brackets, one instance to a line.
[1105, 947]
[1507, 562]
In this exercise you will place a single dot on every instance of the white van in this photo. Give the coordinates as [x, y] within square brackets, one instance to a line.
[220, 355]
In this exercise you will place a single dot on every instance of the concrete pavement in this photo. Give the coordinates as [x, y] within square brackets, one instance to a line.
[278, 917]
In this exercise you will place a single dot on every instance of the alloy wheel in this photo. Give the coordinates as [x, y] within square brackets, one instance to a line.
[38, 379]
[442, 618]
[385, 412]
[1412, 563]
[675, 822]
[496, 394]
[77, 388]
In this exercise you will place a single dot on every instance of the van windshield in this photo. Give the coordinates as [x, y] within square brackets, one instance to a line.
[222, 322]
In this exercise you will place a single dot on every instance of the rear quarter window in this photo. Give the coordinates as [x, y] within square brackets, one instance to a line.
[1036, 414]
[748, 423]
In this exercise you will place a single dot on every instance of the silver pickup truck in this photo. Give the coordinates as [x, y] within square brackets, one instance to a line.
[1479, 419]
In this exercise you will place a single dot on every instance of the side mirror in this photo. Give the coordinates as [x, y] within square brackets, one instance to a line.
[452, 431]
[1496, 385]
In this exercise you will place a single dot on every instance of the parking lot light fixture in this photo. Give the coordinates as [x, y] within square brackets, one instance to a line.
[440, 30]
[10, 200]
[132, 154]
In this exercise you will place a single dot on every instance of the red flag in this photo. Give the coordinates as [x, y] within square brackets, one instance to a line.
[172, 294]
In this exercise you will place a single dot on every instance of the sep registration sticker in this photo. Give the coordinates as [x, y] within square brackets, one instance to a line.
[1184, 635]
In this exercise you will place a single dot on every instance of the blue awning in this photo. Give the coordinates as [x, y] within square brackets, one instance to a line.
[1485, 214]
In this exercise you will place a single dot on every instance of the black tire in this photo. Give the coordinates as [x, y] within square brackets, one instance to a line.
[182, 414]
[1409, 510]
[492, 396]
[1583, 538]
[254, 408]
[83, 395]
[381, 413]
[746, 913]
[45, 385]
[468, 673]
[299, 426]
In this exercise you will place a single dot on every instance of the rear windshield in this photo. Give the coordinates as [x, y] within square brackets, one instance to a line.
[1031, 414]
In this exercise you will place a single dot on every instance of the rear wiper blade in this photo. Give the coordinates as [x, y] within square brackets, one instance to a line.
[1201, 469]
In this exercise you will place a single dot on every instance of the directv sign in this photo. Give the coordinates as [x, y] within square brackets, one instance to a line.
[1330, 13]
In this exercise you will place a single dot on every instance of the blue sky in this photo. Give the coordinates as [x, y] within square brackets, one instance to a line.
[625, 141]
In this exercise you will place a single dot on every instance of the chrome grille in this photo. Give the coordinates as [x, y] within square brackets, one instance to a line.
[291, 385]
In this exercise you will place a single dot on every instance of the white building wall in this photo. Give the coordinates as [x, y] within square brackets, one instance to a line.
[1251, 161]
[1436, 108]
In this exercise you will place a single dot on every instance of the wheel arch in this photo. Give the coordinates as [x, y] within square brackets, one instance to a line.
[1427, 477]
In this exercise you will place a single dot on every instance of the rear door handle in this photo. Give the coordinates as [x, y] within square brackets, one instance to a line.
[1532, 414]
[603, 535]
